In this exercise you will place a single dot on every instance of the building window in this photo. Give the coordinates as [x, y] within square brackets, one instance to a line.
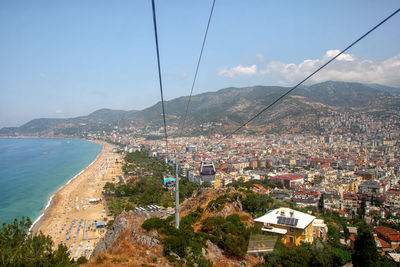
[291, 229]
[291, 239]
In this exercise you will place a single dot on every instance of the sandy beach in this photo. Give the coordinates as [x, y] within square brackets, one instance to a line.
[76, 208]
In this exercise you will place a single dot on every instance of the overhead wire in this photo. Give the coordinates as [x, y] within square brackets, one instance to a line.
[159, 74]
[164, 120]
[197, 68]
[305, 79]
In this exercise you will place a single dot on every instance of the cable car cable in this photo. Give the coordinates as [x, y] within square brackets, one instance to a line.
[159, 74]
[197, 67]
[309, 76]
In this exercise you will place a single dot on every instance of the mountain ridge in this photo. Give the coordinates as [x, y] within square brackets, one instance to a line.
[230, 107]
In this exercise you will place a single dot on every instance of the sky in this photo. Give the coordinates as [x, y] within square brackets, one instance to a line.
[66, 58]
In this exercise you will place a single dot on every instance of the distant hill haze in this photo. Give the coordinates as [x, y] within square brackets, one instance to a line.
[222, 111]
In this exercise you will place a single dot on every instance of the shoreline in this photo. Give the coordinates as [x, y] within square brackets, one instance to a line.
[39, 220]
[51, 201]
[42, 137]
[74, 212]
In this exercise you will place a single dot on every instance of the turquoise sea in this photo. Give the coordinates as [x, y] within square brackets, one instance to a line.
[32, 170]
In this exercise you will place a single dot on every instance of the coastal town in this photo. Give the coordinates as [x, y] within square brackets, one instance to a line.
[200, 133]
[352, 176]
[343, 169]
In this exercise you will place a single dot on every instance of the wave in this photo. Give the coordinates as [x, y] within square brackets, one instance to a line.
[42, 214]
[36, 224]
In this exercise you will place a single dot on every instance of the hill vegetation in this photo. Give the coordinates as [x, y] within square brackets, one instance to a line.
[215, 228]
[144, 185]
[227, 108]
[19, 247]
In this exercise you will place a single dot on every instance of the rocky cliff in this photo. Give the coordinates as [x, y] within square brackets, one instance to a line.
[127, 244]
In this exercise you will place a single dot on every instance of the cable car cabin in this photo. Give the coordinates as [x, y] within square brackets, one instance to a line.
[207, 168]
[207, 171]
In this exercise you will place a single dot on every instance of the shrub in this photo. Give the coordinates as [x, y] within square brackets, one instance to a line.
[191, 218]
[153, 223]
[217, 204]
[81, 260]
[18, 247]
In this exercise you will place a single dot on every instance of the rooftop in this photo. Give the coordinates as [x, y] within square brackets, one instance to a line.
[287, 217]
[287, 177]
[388, 232]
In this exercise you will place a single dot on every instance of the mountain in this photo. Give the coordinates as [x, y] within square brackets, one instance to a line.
[102, 119]
[342, 94]
[226, 109]
[108, 115]
[298, 112]
[384, 88]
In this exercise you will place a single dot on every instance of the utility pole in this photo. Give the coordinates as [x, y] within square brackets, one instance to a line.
[176, 194]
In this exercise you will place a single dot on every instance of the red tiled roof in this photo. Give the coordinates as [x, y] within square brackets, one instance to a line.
[287, 177]
[393, 192]
[383, 243]
[321, 160]
[259, 186]
[350, 197]
[395, 237]
[388, 232]
[341, 212]
[302, 192]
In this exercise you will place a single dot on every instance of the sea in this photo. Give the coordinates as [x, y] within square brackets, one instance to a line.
[33, 169]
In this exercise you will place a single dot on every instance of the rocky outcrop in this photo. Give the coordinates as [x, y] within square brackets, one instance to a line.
[120, 225]
[129, 245]
[216, 256]
[213, 252]
[149, 240]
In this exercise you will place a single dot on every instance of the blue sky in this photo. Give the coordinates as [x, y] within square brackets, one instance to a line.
[62, 58]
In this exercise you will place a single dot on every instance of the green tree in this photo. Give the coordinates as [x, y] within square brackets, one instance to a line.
[365, 253]
[333, 235]
[256, 204]
[18, 247]
[296, 256]
[321, 203]
[320, 254]
[346, 232]
[81, 260]
[361, 210]
[205, 184]
[108, 188]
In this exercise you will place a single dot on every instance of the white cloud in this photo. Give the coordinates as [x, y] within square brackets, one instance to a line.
[238, 71]
[332, 53]
[346, 67]
[59, 111]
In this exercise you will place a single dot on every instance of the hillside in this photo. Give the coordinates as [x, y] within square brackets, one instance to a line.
[223, 110]
[127, 243]
[100, 120]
